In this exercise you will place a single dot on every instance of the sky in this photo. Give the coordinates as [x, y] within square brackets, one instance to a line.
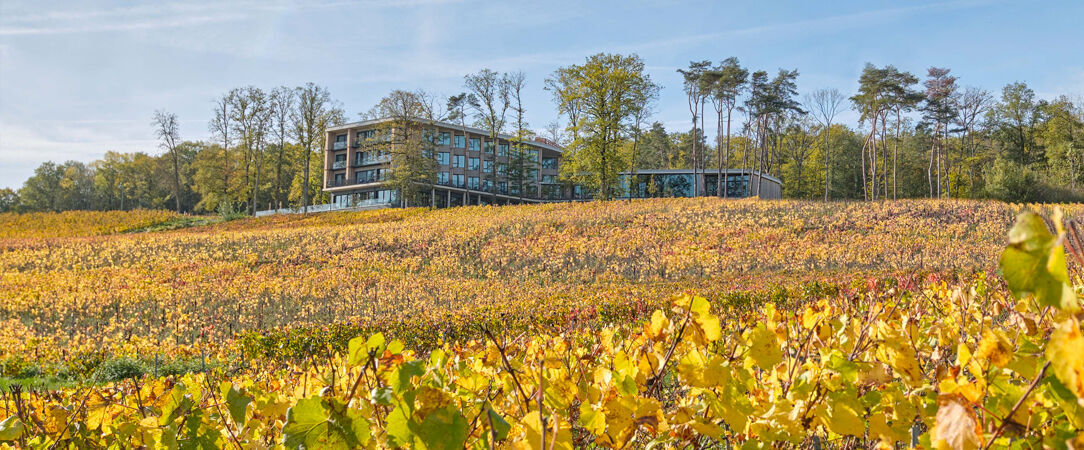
[81, 78]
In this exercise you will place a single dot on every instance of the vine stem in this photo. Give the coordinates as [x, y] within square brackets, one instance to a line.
[508, 367]
[654, 381]
[1015, 407]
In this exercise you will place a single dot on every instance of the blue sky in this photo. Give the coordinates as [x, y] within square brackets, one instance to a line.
[80, 78]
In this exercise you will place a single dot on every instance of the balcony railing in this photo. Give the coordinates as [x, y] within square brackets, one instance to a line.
[337, 183]
[338, 145]
[338, 165]
[359, 204]
[372, 160]
[488, 189]
[370, 179]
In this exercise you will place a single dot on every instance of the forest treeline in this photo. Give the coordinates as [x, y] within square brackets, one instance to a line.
[917, 136]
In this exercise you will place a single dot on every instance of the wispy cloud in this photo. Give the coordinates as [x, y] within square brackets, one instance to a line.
[158, 16]
[827, 23]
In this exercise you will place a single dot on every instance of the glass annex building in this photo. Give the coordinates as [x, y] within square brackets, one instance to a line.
[682, 182]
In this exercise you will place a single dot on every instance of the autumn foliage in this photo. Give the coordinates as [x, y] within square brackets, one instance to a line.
[912, 336]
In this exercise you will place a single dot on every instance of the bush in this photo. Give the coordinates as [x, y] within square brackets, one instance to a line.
[118, 369]
[181, 366]
[228, 212]
[1012, 182]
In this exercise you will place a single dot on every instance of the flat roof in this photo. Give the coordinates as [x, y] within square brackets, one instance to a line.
[474, 130]
[703, 171]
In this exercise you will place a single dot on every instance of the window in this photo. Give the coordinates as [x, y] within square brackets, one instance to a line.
[370, 157]
[457, 180]
[475, 144]
[382, 196]
[442, 177]
[489, 147]
[443, 158]
[551, 192]
[502, 150]
[460, 161]
[445, 138]
[502, 169]
[549, 163]
[533, 154]
[472, 182]
[370, 176]
[341, 157]
[460, 141]
[429, 136]
[340, 179]
[502, 187]
[340, 138]
[363, 135]
[475, 163]
[340, 142]
[487, 186]
[488, 166]
[340, 162]
[549, 179]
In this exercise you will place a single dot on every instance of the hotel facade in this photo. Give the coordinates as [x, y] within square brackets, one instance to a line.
[472, 169]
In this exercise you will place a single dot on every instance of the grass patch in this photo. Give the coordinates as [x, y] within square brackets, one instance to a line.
[179, 223]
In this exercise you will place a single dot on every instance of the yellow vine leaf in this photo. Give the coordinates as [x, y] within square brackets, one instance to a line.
[659, 326]
[532, 433]
[843, 419]
[706, 327]
[1065, 351]
[995, 347]
[896, 351]
[764, 350]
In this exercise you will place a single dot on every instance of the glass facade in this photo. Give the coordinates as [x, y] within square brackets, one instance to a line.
[365, 198]
[679, 184]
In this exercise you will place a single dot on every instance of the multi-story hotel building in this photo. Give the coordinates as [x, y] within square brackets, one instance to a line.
[357, 166]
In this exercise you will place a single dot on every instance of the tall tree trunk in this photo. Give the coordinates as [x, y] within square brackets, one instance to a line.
[884, 156]
[895, 149]
[256, 184]
[281, 156]
[176, 179]
[748, 179]
[703, 153]
[939, 145]
[827, 159]
[305, 150]
[929, 169]
[865, 182]
[726, 158]
[872, 155]
[719, 153]
[765, 153]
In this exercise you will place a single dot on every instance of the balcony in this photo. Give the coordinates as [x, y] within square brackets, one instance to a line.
[370, 179]
[338, 165]
[337, 183]
[338, 145]
[372, 160]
